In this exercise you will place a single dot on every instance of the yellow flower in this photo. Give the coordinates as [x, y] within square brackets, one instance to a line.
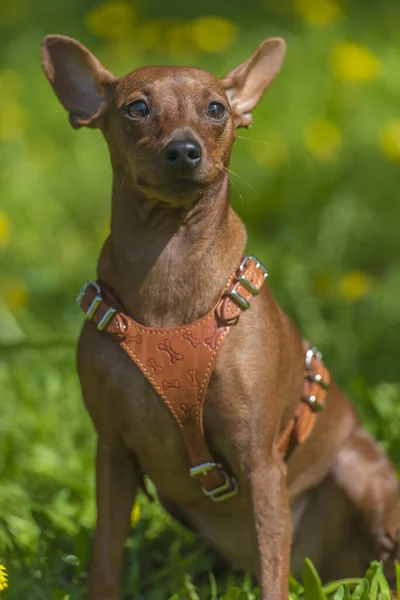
[318, 12]
[5, 229]
[135, 514]
[323, 139]
[13, 119]
[353, 62]
[213, 34]
[15, 294]
[354, 285]
[273, 152]
[111, 20]
[390, 140]
[3, 578]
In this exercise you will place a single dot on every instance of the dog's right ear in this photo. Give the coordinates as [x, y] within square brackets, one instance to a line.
[79, 80]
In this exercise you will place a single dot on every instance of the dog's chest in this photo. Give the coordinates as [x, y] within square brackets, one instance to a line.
[127, 400]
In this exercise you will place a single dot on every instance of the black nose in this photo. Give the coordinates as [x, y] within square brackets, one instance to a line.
[185, 154]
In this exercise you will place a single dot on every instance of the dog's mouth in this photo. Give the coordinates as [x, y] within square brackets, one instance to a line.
[181, 190]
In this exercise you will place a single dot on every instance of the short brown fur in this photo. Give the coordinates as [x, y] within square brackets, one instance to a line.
[174, 242]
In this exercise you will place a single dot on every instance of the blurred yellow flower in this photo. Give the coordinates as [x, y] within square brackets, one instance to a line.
[390, 140]
[353, 62]
[273, 152]
[111, 20]
[354, 285]
[318, 12]
[15, 294]
[3, 578]
[13, 120]
[5, 229]
[213, 34]
[10, 80]
[323, 139]
[135, 514]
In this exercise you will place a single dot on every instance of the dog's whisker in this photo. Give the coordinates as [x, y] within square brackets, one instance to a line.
[235, 186]
[241, 137]
[238, 176]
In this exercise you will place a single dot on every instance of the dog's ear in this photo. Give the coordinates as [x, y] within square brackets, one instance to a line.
[246, 84]
[79, 80]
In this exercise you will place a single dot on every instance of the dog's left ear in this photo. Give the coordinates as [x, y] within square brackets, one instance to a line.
[246, 84]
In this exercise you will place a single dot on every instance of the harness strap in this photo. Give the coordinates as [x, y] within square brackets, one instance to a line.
[178, 363]
[315, 387]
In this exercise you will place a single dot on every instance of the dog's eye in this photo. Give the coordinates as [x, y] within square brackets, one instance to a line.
[137, 110]
[216, 111]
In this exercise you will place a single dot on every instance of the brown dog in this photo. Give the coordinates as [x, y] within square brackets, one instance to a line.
[175, 242]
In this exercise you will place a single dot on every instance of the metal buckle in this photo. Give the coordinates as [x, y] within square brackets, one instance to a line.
[311, 353]
[106, 319]
[248, 285]
[312, 403]
[230, 486]
[318, 379]
[259, 265]
[245, 304]
[96, 301]
[202, 469]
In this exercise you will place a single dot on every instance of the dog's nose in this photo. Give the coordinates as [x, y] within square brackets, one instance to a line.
[185, 154]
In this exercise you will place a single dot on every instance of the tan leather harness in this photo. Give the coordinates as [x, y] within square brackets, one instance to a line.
[178, 362]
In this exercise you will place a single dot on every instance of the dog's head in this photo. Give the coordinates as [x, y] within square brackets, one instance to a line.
[170, 128]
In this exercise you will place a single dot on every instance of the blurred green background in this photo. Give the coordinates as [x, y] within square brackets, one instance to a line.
[316, 181]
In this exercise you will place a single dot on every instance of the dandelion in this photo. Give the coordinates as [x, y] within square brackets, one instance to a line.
[13, 120]
[354, 62]
[318, 12]
[15, 294]
[213, 34]
[354, 285]
[135, 514]
[5, 229]
[390, 140]
[112, 20]
[3, 578]
[323, 139]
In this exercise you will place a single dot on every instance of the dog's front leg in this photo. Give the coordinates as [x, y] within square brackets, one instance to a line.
[117, 480]
[272, 527]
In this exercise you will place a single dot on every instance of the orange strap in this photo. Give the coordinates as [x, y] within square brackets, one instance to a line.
[178, 363]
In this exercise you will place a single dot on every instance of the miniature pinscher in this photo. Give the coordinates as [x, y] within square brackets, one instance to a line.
[220, 403]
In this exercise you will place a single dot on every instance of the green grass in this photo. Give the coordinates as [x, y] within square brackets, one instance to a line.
[47, 498]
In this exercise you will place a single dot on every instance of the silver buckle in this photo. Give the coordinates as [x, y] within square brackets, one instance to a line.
[96, 301]
[259, 265]
[311, 353]
[217, 495]
[245, 304]
[202, 469]
[318, 379]
[312, 403]
[106, 319]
